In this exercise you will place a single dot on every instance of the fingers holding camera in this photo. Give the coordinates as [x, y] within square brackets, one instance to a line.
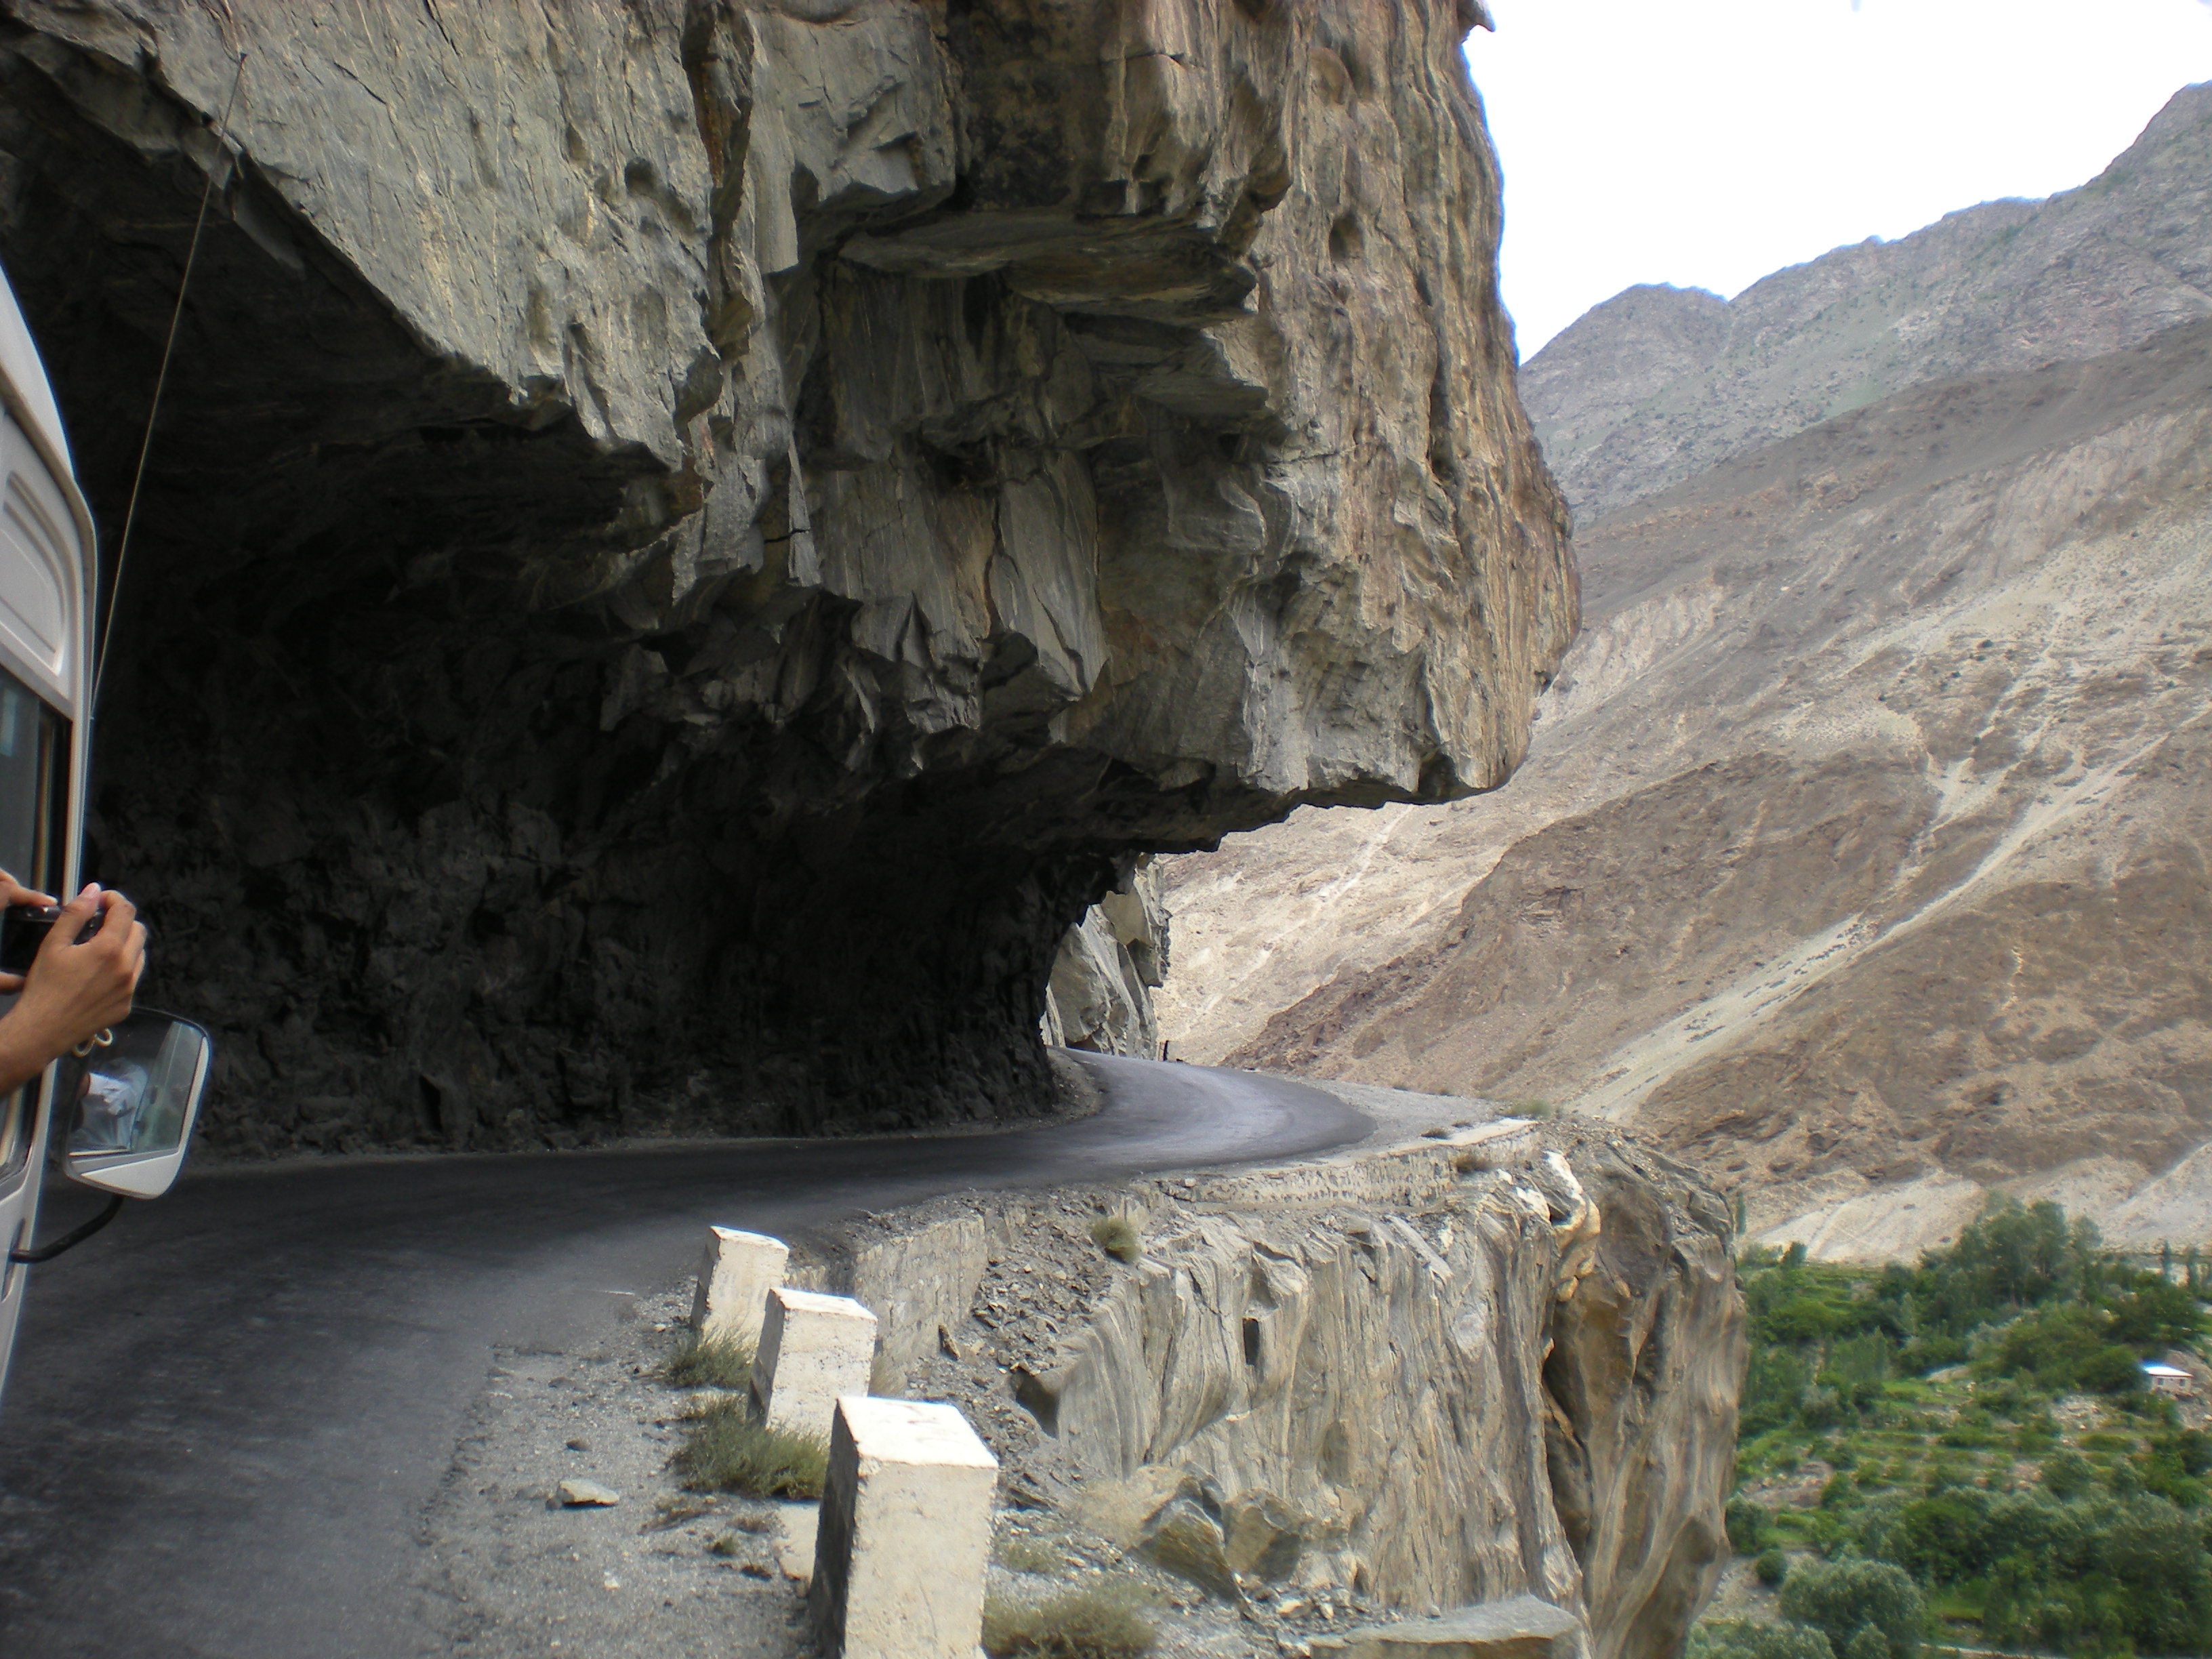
[12, 892]
[74, 990]
[122, 916]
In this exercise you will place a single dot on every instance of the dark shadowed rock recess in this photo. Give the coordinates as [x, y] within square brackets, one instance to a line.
[689, 542]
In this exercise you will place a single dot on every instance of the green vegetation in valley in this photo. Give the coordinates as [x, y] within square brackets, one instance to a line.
[1965, 1449]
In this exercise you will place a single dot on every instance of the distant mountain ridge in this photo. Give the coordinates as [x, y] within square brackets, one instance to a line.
[1863, 850]
[1659, 383]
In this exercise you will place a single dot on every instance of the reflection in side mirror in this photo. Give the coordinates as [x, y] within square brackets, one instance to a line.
[129, 1108]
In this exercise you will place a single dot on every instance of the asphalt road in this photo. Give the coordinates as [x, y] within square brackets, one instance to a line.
[227, 1412]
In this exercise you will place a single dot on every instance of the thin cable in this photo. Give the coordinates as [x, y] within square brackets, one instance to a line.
[160, 381]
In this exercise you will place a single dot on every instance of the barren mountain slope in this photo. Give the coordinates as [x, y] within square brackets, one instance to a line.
[1861, 851]
[1659, 383]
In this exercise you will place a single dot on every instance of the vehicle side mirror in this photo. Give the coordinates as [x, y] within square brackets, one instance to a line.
[128, 1107]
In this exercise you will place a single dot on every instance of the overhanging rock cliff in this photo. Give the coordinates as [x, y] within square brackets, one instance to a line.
[689, 542]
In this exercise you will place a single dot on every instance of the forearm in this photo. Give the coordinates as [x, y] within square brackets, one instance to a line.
[24, 1051]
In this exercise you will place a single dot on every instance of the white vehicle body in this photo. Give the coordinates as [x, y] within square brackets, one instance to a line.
[47, 560]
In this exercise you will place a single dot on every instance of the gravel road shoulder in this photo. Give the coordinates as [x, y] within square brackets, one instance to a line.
[510, 1570]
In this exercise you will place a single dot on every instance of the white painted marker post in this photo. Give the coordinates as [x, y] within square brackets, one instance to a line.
[813, 1349]
[740, 1269]
[905, 1532]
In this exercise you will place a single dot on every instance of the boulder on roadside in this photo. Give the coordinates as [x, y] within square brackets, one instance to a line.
[1186, 1540]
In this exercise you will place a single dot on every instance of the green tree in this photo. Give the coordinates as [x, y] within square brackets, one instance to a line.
[1749, 1525]
[2063, 1346]
[1841, 1598]
[2067, 1474]
[2106, 1577]
[1774, 1387]
[1857, 1367]
[2155, 1314]
[1939, 1538]
[2156, 1554]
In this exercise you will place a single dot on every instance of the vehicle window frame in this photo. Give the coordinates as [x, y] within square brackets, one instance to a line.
[19, 1109]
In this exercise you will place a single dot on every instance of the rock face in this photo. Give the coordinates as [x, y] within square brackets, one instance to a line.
[689, 541]
[1498, 1360]
[1658, 384]
[1859, 852]
[1100, 995]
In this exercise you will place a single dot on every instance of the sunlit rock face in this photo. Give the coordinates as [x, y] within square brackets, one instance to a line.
[1108, 964]
[687, 544]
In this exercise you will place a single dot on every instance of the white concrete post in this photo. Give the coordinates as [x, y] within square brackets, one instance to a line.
[739, 1271]
[813, 1349]
[905, 1532]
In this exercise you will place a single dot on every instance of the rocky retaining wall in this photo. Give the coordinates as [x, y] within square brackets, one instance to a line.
[1502, 1358]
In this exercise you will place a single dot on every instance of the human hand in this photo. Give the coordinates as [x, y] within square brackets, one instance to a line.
[74, 990]
[13, 891]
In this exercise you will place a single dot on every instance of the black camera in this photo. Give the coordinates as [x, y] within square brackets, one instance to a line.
[23, 929]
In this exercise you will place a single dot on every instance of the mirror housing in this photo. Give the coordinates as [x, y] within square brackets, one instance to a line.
[125, 1112]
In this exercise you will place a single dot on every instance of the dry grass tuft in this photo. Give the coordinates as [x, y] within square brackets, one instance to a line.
[1081, 1624]
[727, 1449]
[718, 1362]
[1024, 1553]
[1118, 1236]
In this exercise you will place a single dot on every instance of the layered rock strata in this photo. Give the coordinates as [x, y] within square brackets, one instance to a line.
[1497, 1359]
[691, 541]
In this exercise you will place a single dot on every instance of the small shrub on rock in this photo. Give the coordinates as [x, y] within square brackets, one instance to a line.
[1117, 1236]
[1093, 1623]
[1773, 1567]
[1020, 1553]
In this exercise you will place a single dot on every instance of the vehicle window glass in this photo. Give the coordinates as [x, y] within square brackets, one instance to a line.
[34, 750]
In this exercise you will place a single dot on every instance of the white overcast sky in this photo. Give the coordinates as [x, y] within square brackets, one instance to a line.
[1706, 143]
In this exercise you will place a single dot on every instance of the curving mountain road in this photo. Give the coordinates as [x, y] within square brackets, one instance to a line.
[227, 1414]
